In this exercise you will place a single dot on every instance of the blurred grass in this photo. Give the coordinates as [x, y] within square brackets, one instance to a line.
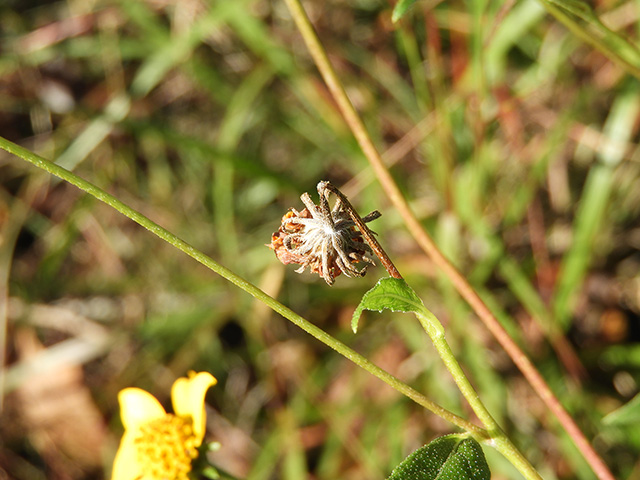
[210, 119]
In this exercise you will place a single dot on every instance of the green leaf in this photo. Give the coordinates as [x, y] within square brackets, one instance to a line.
[627, 414]
[452, 457]
[389, 293]
[400, 9]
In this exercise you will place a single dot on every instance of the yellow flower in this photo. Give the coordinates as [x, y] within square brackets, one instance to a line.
[158, 445]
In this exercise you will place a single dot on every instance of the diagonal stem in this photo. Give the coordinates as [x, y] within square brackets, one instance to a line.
[478, 433]
[364, 230]
[428, 246]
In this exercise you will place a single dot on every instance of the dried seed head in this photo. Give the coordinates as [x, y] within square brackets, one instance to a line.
[322, 239]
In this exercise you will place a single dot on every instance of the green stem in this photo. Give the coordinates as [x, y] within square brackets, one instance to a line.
[501, 442]
[499, 439]
[479, 433]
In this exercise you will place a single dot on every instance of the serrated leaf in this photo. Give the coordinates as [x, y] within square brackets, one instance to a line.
[389, 293]
[400, 9]
[452, 457]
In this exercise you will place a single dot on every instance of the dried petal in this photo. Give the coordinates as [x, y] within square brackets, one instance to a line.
[324, 240]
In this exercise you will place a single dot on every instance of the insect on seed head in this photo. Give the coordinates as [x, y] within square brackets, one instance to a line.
[323, 239]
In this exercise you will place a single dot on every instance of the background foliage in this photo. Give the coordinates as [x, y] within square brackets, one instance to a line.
[513, 140]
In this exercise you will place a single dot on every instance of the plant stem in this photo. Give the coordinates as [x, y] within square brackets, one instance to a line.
[500, 440]
[364, 230]
[477, 432]
[423, 239]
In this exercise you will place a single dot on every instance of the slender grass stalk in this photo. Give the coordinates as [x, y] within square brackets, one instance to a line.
[429, 247]
[8, 238]
[581, 20]
[479, 433]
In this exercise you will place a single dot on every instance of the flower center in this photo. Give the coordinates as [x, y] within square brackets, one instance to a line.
[330, 231]
[165, 448]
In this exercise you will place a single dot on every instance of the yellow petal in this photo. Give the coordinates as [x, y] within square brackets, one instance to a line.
[125, 465]
[187, 395]
[138, 407]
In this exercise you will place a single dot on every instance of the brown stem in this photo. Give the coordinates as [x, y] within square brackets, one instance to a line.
[428, 246]
[366, 232]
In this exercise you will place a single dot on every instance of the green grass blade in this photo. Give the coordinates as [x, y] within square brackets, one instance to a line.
[593, 204]
[580, 18]
[117, 109]
[401, 8]
[174, 51]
